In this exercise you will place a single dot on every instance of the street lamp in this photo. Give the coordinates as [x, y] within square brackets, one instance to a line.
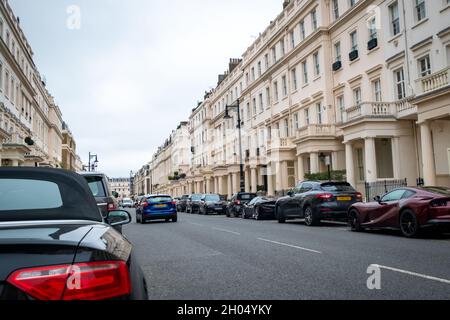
[239, 126]
[94, 163]
[131, 182]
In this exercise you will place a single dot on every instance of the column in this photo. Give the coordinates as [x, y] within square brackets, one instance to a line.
[216, 188]
[270, 190]
[236, 182]
[429, 166]
[278, 180]
[314, 158]
[15, 162]
[208, 185]
[284, 175]
[229, 186]
[370, 159]
[334, 161]
[247, 180]
[349, 164]
[396, 157]
[254, 179]
[301, 168]
[220, 185]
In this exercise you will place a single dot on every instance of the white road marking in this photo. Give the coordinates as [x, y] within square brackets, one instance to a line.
[228, 231]
[424, 276]
[196, 224]
[290, 245]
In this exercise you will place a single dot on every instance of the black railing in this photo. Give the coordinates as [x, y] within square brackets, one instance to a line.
[381, 187]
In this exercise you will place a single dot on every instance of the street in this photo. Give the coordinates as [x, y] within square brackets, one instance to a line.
[213, 257]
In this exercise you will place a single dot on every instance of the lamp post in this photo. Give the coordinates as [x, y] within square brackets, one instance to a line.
[131, 182]
[239, 126]
[94, 164]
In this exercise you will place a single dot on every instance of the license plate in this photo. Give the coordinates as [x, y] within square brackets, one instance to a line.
[160, 206]
[344, 198]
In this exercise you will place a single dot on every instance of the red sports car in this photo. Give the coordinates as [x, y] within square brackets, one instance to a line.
[407, 209]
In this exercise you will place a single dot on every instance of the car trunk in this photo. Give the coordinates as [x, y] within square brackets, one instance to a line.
[162, 205]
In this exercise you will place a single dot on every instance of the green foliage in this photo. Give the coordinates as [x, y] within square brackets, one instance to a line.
[339, 175]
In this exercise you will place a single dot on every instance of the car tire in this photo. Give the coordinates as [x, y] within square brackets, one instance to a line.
[175, 219]
[409, 225]
[354, 222]
[280, 216]
[256, 214]
[311, 218]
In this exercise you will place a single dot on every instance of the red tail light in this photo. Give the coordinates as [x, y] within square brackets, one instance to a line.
[359, 196]
[145, 204]
[325, 196]
[111, 207]
[174, 203]
[81, 281]
[238, 202]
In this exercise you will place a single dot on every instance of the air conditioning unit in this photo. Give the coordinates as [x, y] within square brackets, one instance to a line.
[373, 43]
[337, 65]
[353, 55]
[193, 149]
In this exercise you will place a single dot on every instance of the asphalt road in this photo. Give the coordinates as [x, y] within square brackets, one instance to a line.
[214, 257]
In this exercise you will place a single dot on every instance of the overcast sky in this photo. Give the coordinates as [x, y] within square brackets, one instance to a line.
[135, 68]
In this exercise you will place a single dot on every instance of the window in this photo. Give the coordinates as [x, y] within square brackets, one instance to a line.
[354, 40]
[249, 114]
[377, 90]
[399, 76]
[1, 76]
[357, 96]
[316, 63]
[296, 124]
[337, 51]
[425, 66]
[39, 194]
[305, 72]
[307, 116]
[302, 30]
[395, 18]
[294, 79]
[335, 9]
[360, 161]
[254, 106]
[268, 96]
[274, 54]
[266, 61]
[284, 83]
[341, 107]
[395, 195]
[1, 28]
[282, 47]
[261, 103]
[319, 113]
[275, 89]
[286, 127]
[373, 29]
[96, 186]
[253, 73]
[420, 10]
[292, 36]
[352, 3]
[259, 69]
[314, 19]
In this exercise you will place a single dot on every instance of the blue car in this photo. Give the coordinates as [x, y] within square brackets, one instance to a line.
[157, 207]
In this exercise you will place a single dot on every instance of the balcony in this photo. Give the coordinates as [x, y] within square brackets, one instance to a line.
[337, 65]
[373, 43]
[353, 55]
[316, 130]
[376, 110]
[433, 81]
[278, 143]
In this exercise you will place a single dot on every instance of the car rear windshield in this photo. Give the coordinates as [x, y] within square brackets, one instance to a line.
[342, 186]
[247, 196]
[159, 199]
[96, 186]
[212, 197]
[439, 190]
[21, 194]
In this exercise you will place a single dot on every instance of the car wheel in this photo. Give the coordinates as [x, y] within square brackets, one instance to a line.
[311, 219]
[227, 213]
[280, 216]
[243, 215]
[175, 219]
[409, 224]
[256, 214]
[137, 219]
[353, 220]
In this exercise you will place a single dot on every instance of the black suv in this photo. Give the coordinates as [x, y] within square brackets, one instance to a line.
[315, 201]
[236, 203]
[193, 203]
[98, 183]
[181, 204]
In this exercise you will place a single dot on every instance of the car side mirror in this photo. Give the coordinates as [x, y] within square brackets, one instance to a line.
[291, 193]
[115, 194]
[118, 218]
[377, 199]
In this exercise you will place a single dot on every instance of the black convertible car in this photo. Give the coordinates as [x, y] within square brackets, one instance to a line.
[259, 208]
[55, 245]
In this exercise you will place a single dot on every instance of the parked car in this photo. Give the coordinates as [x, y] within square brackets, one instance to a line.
[193, 203]
[409, 209]
[181, 204]
[98, 183]
[127, 203]
[211, 203]
[260, 208]
[237, 201]
[157, 207]
[316, 201]
[138, 200]
[58, 233]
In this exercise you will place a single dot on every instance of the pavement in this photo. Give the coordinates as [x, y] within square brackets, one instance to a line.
[219, 258]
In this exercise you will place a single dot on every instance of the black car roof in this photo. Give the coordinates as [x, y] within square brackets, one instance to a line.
[77, 198]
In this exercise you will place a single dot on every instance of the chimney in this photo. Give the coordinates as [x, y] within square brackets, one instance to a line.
[221, 78]
[233, 64]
